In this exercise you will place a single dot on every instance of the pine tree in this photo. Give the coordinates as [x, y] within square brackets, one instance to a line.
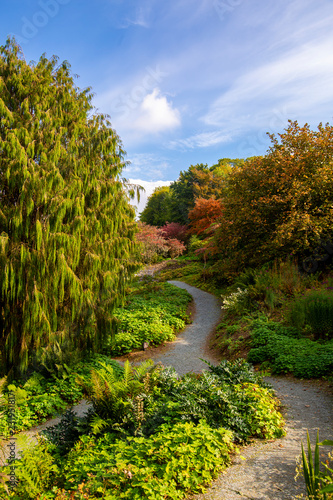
[66, 226]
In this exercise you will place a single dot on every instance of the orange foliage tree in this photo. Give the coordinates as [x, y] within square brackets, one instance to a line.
[281, 203]
[203, 215]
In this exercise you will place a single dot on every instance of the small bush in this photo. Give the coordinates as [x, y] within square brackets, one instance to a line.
[176, 247]
[158, 243]
[235, 372]
[64, 434]
[223, 398]
[113, 396]
[174, 230]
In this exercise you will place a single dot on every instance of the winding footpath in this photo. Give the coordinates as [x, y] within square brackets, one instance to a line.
[192, 343]
[265, 470]
[268, 470]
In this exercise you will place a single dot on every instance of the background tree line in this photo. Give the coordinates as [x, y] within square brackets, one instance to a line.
[249, 212]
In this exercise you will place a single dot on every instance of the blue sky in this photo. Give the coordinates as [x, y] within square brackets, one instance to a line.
[188, 81]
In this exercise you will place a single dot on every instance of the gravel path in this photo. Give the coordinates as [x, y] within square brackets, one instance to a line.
[183, 353]
[193, 343]
[269, 468]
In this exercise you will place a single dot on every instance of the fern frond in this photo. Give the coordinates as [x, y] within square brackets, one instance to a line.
[98, 424]
[128, 372]
[141, 370]
[35, 468]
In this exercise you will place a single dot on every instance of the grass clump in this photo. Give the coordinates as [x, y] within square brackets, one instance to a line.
[314, 313]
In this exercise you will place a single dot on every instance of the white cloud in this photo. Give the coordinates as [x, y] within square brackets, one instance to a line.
[143, 113]
[140, 19]
[156, 114]
[203, 140]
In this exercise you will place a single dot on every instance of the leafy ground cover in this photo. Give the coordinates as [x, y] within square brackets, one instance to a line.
[41, 397]
[153, 313]
[283, 350]
[151, 434]
[279, 318]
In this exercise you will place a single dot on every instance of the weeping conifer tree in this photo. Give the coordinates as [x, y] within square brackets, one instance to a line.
[66, 225]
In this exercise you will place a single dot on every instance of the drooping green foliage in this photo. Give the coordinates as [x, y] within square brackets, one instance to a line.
[66, 227]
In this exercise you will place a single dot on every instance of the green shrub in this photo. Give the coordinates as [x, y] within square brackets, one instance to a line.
[64, 434]
[223, 398]
[195, 243]
[116, 399]
[266, 326]
[236, 372]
